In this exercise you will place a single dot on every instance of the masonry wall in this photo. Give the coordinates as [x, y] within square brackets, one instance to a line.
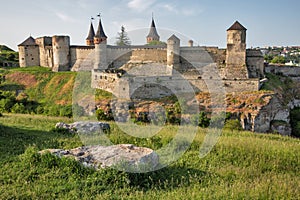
[248, 85]
[82, 58]
[118, 56]
[236, 55]
[45, 51]
[255, 63]
[29, 56]
[291, 71]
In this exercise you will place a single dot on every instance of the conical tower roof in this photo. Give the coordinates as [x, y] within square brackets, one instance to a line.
[91, 34]
[237, 26]
[153, 32]
[30, 41]
[100, 32]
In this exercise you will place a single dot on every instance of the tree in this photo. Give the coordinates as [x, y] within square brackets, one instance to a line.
[278, 60]
[155, 42]
[123, 39]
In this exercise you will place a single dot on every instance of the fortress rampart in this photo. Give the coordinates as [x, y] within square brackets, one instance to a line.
[236, 68]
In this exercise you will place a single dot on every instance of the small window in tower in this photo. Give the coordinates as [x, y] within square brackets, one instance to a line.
[23, 58]
[32, 58]
[124, 89]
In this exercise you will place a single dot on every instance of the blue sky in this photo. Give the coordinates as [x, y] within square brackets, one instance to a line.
[269, 22]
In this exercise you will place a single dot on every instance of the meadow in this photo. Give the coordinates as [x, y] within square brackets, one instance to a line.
[242, 165]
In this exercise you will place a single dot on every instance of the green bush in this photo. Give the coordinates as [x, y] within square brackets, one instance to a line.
[66, 111]
[18, 108]
[295, 122]
[233, 124]
[172, 117]
[201, 120]
[102, 115]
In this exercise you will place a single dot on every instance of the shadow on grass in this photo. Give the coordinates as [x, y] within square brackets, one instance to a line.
[169, 178]
[14, 141]
[11, 87]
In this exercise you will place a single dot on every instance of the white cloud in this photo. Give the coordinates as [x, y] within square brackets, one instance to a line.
[140, 5]
[170, 8]
[65, 17]
[181, 11]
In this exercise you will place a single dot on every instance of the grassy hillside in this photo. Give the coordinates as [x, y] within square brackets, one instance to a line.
[41, 84]
[242, 165]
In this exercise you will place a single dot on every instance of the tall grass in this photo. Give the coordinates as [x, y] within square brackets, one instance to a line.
[243, 165]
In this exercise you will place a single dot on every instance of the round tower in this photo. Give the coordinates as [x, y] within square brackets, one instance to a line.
[61, 53]
[191, 43]
[173, 50]
[100, 41]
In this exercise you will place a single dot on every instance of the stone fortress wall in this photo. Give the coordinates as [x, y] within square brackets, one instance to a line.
[236, 68]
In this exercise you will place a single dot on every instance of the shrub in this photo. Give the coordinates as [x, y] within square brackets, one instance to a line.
[102, 115]
[295, 122]
[66, 111]
[201, 120]
[18, 108]
[233, 124]
[6, 104]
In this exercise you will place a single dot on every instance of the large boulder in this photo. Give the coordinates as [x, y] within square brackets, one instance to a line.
[125, 157]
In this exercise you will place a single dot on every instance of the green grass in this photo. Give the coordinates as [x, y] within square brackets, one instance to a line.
[31, 69]
[243, 165]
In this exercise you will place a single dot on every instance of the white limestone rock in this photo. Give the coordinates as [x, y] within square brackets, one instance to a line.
[125, 157]
[84, 127]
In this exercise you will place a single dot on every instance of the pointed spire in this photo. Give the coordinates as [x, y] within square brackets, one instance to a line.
[100, 32]
[153, 35]
[91, 34]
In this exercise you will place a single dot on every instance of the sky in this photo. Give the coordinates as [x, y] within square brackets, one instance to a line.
[269, 22]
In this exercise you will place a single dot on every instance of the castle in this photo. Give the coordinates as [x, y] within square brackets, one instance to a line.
[112, 67]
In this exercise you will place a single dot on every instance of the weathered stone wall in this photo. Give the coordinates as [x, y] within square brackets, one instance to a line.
[46, 51]
[82, 58]
[242, 85]
[105, 81]
[61, 53]
[149, 55]
[29, 56]
[236, 55]
[255, 63]
[291, 71]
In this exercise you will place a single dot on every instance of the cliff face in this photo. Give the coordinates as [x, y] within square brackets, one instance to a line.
[261, 111]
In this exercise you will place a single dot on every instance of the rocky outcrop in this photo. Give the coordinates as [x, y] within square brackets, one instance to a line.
[125, 157]
[84, 127]
[264, 118]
